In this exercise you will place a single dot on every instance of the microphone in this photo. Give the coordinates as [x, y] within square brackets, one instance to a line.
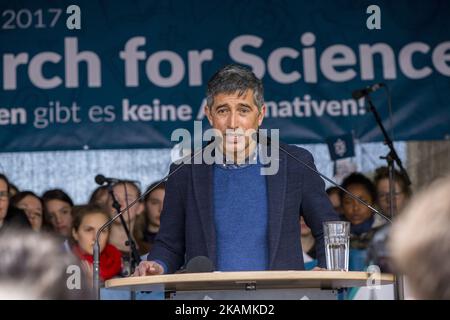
[367, 90]
[199, 264]
[101, 180]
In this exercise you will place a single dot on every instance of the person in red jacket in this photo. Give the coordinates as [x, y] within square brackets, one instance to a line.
[87, 220]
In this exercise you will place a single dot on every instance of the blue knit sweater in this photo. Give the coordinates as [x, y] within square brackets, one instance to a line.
[241, 218]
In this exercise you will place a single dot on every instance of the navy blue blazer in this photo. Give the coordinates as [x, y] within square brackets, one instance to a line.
[187, 223]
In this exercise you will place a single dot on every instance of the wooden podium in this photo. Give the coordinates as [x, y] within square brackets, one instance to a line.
[258, 285]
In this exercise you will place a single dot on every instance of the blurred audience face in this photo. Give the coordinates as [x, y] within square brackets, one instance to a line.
[60, 215]
[383, 196]
[4, 199]
[124, 199]
[100, 197]
[36, 268]
[154, 205]
[354, 211]
[336, 202]
[420, 242]
[86, 232]
[304, 229]
[33, 209]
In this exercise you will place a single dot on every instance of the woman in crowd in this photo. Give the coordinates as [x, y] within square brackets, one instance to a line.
[99, 196]
[125, 193]
[87, 220]
[378, 252]
[32, 205]
[147, 224]
[402, 191]
[58, 211]
[363, 224]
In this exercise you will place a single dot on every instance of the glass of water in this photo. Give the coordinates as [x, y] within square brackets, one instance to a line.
[337, 238]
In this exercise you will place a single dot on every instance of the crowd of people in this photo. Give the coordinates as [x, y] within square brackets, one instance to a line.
[74, 227]
[55, 216]
[54, 212]
[368, 231]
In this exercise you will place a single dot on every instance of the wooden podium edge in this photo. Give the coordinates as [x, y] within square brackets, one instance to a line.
[188, 280]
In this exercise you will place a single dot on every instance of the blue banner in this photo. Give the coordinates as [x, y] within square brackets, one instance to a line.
[126, 74]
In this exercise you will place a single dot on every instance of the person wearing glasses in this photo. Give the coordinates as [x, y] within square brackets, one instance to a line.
[402, 192]
[378, 252]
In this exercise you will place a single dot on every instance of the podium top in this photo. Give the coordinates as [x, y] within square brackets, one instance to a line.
[250, 280]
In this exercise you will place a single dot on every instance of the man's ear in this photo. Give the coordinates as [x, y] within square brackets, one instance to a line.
[208, 114]
[261, 115]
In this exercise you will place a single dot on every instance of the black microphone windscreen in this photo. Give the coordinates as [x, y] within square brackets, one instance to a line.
[199, 264]
[100, 179]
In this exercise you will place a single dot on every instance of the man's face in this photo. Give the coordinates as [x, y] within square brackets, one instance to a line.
[4, 199]
[236, 117]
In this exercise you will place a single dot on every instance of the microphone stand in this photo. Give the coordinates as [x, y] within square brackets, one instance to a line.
[390, 158]
[135, 258]
[398, 284]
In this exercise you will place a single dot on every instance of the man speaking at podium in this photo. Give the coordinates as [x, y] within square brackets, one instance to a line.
[230, 212]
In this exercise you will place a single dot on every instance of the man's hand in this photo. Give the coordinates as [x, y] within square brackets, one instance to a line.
[148, 268]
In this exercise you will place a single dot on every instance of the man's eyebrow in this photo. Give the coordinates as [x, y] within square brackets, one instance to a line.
[222, 105]
[244, 105]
